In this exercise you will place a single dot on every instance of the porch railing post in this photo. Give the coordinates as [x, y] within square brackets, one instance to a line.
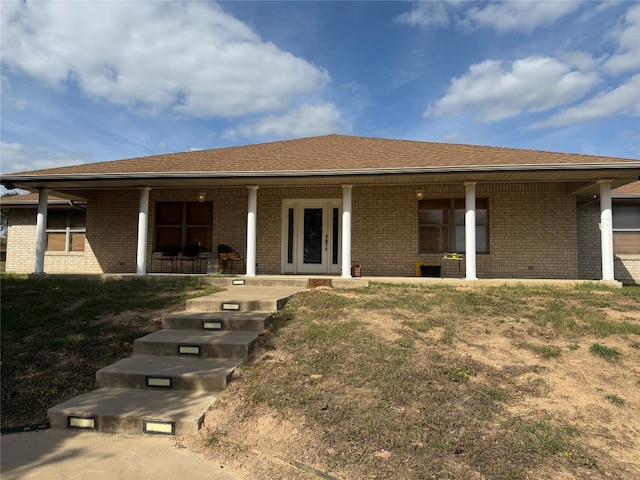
[251, 229]
[470, 229]
[346, 230]
[41, 230]
[143, 213]
[606, 230]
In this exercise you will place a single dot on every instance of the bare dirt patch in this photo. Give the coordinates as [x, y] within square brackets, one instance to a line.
[491, 385]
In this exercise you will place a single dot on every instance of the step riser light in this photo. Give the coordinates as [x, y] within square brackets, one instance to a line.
[82, 423]
[158, 428]
[212, 325]
[230, 306]
[159, 382]
[188, 349]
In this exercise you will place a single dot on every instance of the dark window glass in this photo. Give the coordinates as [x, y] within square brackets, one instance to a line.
[184, 224]
[442, 225]
[336, 223]
[290, 236]
[312, 241]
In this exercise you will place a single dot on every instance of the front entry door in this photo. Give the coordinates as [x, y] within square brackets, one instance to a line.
[311, 237]
[313, 248]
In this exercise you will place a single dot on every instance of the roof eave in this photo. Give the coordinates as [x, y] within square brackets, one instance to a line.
[22, 178]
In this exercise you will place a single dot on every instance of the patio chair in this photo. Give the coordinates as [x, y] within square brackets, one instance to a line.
[166, 255]
[190, 255]
[227, 254]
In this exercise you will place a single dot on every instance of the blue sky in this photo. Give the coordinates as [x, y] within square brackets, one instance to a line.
[87, 81]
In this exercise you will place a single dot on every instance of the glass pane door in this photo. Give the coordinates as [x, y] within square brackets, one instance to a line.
[312, 235]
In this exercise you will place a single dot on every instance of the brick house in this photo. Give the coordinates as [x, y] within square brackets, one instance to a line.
[321, 205]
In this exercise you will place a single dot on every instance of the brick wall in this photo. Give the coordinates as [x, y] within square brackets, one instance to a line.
[21, 241]
[112, 229]
[532, 231]
[589, 249]
[21, 247]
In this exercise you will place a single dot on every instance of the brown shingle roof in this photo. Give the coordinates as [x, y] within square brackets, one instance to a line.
[29, 199]
[328, 153]
[629, 189]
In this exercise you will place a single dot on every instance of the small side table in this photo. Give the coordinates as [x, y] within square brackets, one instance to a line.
[457, 257]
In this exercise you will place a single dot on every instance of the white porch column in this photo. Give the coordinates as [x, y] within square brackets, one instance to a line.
[251, 229]
[470, 229]
[143, 228]
[606, 230]
[346, 230]
[41, 230]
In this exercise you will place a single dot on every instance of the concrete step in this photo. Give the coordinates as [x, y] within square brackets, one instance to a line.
[134, 411]
[196, 343]
[244, 299]
[166, 373]
[236, 321]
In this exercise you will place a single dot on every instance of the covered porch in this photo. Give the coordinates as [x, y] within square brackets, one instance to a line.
[315, 230]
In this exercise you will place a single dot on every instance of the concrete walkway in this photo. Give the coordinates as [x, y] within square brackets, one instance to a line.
[58, 454]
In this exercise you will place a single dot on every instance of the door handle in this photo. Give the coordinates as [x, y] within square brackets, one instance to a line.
[326, 242]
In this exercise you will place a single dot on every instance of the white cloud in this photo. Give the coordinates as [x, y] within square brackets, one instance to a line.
[426, 14]
[304, 121]
[190, 58]
[582, 61]
[520, 15]
[627, 37]
[22, 158]
[493, 93]
[623, 100]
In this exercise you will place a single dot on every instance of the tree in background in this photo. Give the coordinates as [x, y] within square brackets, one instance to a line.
[4, 216]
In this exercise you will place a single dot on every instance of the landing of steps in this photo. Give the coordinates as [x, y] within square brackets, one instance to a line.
[245, 298]
[298, 281]
[172, 378]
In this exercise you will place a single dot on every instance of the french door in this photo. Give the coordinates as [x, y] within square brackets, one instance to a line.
[311, 236]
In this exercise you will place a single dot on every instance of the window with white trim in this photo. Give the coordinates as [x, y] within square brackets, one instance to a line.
[441, 225]
[66, 230]
[184, 223]
[626, 227]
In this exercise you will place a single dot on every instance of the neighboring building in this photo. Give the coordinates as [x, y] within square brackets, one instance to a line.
[318, 205]
[626, 235]
[65, 234]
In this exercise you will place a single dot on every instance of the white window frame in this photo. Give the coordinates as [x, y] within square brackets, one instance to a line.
[456, 230]
[620, 203]
[68, 231]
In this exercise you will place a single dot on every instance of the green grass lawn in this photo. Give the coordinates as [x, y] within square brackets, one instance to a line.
[57, 332]
[389, 381]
